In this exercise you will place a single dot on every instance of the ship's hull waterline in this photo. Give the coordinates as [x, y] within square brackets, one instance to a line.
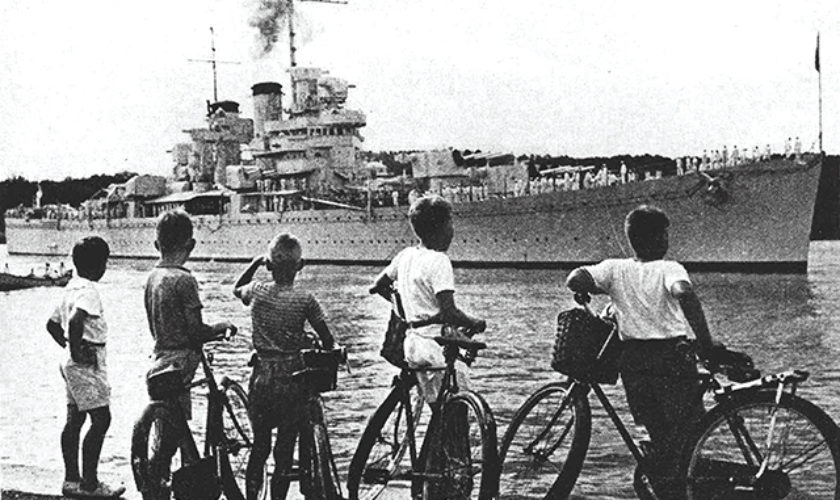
[755, 217]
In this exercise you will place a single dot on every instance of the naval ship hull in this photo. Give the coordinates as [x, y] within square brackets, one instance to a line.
[755, 217]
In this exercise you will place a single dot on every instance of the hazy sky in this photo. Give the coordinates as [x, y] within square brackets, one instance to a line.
[101, 86]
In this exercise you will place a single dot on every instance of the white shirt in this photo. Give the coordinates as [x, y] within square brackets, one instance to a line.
[420, 274]
[80, 293]
[641, 295]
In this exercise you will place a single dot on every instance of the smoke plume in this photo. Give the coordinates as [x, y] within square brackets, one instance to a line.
[270, 19]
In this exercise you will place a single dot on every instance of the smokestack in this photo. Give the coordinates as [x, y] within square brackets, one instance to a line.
[267, 105]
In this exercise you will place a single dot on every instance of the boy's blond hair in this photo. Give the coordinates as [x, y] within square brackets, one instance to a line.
[284, 249]
[174, 230]
[428, 215]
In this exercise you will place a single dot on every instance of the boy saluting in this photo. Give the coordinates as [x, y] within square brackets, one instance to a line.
[279, 311]
[657, 312]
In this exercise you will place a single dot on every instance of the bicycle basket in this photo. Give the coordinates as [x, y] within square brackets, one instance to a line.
[165, 385]
[580, 337]
[322, 368]
[197, 481]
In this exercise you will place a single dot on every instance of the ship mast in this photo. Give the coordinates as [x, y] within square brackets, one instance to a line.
[291, 11]
[213, 62]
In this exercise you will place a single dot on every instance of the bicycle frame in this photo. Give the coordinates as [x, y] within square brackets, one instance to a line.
[723, 396]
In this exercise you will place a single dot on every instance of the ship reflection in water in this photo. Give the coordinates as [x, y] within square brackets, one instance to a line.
[782, 320]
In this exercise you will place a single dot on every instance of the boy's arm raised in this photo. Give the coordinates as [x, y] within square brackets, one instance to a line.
[693, 310]
[246, 276]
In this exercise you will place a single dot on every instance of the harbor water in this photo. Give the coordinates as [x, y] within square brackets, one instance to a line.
[783, 321]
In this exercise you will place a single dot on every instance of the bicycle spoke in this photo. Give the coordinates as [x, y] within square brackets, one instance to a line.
[806, 455]
[801, 462]
[545, 445]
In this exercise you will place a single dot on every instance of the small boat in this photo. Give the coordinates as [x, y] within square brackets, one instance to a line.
[9, 282]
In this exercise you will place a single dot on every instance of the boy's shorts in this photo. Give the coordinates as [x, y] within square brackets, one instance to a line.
[185, 361]
[424, 352]
[275, 397]
[87, 385]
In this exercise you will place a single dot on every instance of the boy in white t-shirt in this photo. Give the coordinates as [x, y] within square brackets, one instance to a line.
[79, 316]
[425, 281]
[658, 313]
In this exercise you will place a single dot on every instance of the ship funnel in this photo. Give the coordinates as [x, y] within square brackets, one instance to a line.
[267, 105]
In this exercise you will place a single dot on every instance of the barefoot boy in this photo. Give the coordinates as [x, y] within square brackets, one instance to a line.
[279, 311]
[88, 392]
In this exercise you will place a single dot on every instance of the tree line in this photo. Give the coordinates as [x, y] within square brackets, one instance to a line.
[17, 191]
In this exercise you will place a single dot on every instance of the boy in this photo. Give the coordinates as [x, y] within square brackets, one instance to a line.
[85, 373]
[173, 310]
[657, 312]
[278, 312]
[425, 283]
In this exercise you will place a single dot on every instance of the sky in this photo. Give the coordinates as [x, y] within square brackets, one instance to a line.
[102, 86]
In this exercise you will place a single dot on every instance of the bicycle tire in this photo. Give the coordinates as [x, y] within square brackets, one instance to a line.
[460, 447]
[804, 458]
[324, 481]
[145, 443]
[375, 466]
[237, 442]
[538, 457]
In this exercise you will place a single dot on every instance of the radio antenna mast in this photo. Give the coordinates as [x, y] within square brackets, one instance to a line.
[213, 63]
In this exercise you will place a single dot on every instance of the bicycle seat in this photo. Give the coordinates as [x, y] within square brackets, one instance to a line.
[461, 341]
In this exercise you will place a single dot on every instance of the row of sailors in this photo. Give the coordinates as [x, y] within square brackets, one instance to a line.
[544, 184]
[724, 158]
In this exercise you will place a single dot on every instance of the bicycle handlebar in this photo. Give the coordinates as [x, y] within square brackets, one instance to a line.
[737, 366]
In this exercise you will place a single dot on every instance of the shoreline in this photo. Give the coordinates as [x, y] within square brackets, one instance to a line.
[30, 482]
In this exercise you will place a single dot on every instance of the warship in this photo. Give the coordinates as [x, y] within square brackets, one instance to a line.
[301, 169]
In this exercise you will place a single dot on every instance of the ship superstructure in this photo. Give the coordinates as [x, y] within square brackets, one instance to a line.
[313, 146]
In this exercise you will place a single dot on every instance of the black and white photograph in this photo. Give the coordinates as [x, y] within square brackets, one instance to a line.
[419, 249]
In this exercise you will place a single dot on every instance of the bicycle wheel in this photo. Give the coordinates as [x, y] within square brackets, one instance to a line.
[155, 440]
[462, 460]
[324, 481]
[726, 453]
[238, 441]
[375, 467]
[543, 449]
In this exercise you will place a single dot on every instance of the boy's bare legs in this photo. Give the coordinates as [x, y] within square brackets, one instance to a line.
[70, 443]
[284, 449]
[256, 463]
[100, 421]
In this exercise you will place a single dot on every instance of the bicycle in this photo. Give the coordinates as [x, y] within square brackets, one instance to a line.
[315, 470]
[227, 441]
[458, 457]
[760, 440]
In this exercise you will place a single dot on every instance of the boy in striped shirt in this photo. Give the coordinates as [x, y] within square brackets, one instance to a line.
[278, 312]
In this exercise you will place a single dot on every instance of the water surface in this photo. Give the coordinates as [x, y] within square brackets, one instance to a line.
[783, 321]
